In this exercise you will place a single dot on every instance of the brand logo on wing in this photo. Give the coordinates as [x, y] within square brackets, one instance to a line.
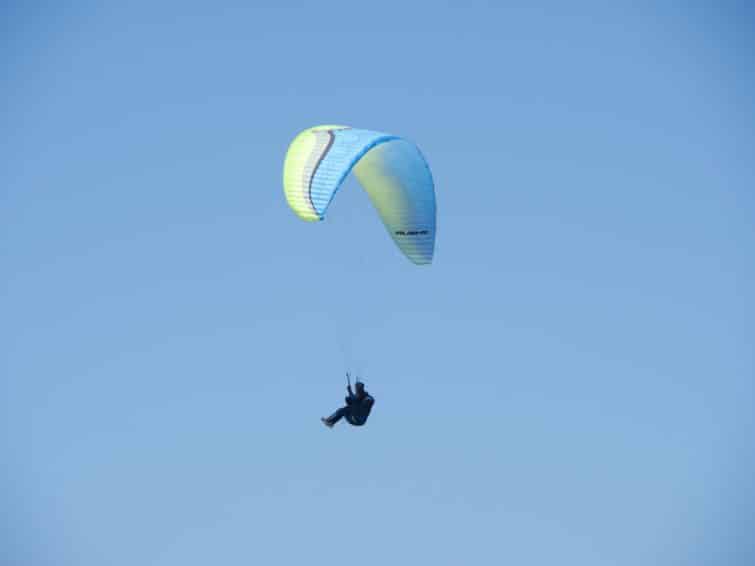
[411, 232]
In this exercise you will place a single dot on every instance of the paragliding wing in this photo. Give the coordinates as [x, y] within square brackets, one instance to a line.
[391, 170]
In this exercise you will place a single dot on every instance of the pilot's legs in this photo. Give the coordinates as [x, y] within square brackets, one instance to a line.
[335, 417]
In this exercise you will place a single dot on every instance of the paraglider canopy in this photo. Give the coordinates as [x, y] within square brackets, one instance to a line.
[392, 171]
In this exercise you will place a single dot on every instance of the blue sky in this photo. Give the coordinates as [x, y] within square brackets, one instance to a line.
[570, 382]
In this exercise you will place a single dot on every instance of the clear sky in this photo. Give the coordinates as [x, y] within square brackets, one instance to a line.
[570, 382]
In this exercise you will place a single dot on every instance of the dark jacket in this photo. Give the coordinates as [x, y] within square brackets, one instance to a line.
[359, 407]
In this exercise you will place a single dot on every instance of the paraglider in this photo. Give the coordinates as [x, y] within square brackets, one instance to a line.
[397, 181]
[392, 171]
[357, 408]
